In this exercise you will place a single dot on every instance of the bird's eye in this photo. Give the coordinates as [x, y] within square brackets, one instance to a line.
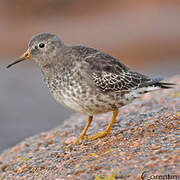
[41, 45]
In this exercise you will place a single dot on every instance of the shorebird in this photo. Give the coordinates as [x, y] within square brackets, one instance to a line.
[87, 80]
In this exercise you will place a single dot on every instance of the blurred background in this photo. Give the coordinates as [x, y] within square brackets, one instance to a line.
[145, 35]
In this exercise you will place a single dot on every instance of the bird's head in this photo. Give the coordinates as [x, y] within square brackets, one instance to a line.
[43, 48]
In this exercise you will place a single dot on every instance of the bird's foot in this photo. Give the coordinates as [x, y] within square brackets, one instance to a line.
[99, 135]
[93, 137]
[80, 139]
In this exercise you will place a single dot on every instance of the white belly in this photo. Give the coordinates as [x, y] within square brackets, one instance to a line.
[68, 102]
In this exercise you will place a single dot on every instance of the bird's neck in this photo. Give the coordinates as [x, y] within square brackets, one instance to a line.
[48, 69]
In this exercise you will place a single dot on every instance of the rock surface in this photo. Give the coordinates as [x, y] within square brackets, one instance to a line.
[143, 144]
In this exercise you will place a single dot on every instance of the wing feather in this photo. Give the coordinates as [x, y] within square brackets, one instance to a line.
[109, 74]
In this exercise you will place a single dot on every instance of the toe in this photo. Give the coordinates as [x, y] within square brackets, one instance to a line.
[98, 135]
[80, 139]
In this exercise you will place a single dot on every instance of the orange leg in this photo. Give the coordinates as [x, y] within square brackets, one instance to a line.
[83, 134]
[108, 130]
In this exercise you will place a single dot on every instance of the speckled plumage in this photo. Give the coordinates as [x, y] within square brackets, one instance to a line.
[92, 82]
[85, 79]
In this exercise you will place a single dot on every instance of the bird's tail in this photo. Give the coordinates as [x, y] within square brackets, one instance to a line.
[164, 85]
[154, 84]
[157, 82]
[148, 86]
